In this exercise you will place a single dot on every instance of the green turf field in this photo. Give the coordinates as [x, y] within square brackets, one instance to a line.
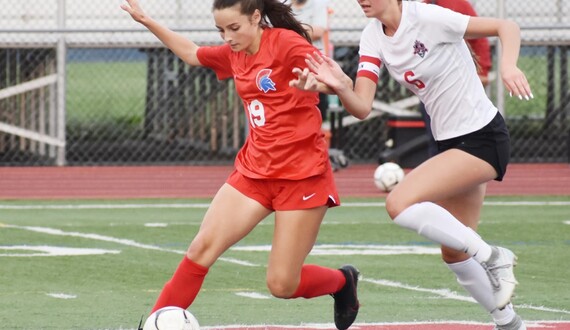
[133, 247]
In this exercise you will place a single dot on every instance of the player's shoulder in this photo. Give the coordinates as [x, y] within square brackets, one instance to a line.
[372, 27]
[428, 13]
[278, 34]
[422, 9]
[459, 6]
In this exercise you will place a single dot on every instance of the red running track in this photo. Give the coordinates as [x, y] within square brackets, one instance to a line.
[126, 182]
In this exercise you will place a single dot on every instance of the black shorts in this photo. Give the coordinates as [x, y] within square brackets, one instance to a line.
[491, 144]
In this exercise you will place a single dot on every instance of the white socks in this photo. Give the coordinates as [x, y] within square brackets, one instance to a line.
[438, 225]
[474, 279]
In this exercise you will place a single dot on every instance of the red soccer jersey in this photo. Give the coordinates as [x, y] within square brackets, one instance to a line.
[480, 46]
[285, 139]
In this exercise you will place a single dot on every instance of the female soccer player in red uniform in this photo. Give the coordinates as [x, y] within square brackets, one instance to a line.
[422, 46]
[283, 166]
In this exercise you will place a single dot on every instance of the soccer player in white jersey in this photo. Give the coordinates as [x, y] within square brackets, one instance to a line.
[422, 47]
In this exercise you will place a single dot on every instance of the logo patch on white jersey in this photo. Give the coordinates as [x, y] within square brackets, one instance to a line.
[420, 49]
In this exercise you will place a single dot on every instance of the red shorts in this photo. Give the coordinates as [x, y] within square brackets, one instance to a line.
[286, 195]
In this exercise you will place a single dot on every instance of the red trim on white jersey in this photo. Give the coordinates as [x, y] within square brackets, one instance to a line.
[369, 67]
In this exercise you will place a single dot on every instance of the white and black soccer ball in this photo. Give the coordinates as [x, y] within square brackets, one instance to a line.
[171, 318]
[387, 176]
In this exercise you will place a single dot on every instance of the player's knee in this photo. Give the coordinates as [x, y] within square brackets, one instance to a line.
[395, 204]
[202, 251]
[197, 247]
[280, 287]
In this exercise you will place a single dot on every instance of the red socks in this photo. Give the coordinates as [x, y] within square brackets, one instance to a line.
[183, 287]
[318, 281]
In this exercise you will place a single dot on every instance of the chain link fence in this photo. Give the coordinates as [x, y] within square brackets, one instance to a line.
[82, 84]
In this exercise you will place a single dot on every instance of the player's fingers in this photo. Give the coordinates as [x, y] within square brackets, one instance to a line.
[311, 64]
[520, 88]
[294, 83]
[525, 86]
[302, 78]
[329, 60]
[306, 73]
[311, 82]
[126, 6]
[318, 57]
[127, 3]
[313, 59]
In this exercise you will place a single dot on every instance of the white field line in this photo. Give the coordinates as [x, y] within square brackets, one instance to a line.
[447, 294]
[122, 241]
[62, 295]
[206, 205]
[51, 251]
[253, 295]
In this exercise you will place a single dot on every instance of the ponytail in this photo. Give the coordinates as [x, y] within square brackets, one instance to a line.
[273, 12]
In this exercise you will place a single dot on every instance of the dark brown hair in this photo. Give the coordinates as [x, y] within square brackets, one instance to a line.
[273, 12]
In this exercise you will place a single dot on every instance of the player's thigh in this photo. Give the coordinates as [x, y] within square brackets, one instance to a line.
[445, 175]
[230, 217]
[294, 236]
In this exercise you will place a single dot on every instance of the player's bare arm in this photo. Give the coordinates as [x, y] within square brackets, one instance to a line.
[509, 36]
[183, 48]
[357, 100]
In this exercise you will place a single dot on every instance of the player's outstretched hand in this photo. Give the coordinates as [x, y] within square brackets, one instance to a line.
[326, 70]
[134, 9]
[516, 83]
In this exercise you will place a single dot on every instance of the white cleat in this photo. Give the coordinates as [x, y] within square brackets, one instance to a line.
[516, 324]
[499, 268]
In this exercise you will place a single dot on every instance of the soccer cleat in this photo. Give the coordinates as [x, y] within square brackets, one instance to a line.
[346, 299]
[516, 324]
[499, 268]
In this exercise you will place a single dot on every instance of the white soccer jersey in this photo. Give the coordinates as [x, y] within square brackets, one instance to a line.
[428, 55]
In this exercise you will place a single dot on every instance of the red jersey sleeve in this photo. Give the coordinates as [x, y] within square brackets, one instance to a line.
[216, 58]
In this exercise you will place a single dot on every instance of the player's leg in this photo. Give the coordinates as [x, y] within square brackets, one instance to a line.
[448, 174]
[287, 275]
[466, 207]
[300, 209]
[438, 178]
[293, 238]
[230, 217]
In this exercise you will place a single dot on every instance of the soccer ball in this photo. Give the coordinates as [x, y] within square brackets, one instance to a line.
[171, 318]
[387, 176]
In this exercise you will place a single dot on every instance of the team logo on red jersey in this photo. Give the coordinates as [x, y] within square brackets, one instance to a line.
[264, 82]
[420, 49]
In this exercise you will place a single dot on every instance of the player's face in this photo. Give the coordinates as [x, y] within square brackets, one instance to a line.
[241, 32]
